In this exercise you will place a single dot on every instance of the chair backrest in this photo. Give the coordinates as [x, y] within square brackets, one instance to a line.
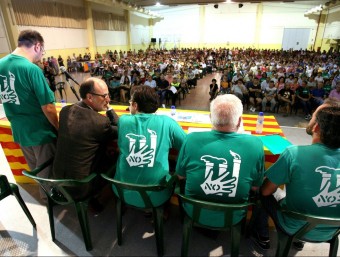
[141, 189]
[58, 190]
[227, 210]
[312, 221]
[5, 189]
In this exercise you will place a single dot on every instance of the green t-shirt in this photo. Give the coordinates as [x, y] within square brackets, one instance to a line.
[327, 88]
[23, 90]
[176, 85]
[303, 92]
[311, 175]
[221, 167]
[144, 141]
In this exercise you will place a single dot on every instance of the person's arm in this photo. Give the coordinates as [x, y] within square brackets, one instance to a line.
[180, 164]
[113, 117]
[51, 114]
[268, 187]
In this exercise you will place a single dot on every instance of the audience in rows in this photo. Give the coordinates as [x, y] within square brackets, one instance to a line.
[247, 73]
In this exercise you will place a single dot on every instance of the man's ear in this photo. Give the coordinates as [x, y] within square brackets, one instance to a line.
[239, 122]
[316, 128]
[89, 97]
[136, 106]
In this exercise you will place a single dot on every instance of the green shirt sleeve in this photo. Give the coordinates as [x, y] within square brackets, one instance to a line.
[178, 135]
[181, 163]
[279, 173]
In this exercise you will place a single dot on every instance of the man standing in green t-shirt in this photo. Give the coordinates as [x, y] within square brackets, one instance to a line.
[311, 177]
[28, 100]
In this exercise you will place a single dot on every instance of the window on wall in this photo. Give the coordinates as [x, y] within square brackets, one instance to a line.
[108, 21]
[48, 14]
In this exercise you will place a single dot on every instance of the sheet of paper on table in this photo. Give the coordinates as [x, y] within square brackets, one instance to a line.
[192, 129]
[186, 116]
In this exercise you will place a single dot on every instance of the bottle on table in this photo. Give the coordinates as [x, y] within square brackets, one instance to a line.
[259, 123]
[173, 110]
[63, 103]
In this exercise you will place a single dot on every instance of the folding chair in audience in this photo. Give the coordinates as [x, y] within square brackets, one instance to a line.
[58, 192]
[7, 189]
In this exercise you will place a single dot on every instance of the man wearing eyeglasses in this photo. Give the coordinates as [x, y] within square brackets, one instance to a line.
[84, 135]
[28, 100]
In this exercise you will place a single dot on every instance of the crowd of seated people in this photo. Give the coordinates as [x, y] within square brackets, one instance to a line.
[248, 73]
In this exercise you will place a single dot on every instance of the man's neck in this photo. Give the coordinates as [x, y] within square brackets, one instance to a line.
[23, 52]
[316, 138]
[227, 129]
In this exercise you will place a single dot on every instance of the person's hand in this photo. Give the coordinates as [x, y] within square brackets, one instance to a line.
[218, 186]
[139, 158]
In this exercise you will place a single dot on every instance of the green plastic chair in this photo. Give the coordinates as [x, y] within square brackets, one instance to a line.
[157, 210]
[284, 241]
[57, 192]
[7, 189]
[195, 220]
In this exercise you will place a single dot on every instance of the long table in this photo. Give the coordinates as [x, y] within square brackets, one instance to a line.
[186, 118]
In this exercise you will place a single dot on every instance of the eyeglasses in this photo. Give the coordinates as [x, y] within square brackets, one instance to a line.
[103, 95]
[42, 49]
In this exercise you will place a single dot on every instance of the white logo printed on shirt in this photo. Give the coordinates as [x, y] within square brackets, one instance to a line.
[141, 153]
[329, 194]
[221, 185]
[7, 90]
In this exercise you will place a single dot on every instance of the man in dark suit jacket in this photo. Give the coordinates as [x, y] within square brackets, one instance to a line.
[84, 135]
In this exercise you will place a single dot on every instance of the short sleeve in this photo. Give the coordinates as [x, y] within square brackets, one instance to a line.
[279, 172]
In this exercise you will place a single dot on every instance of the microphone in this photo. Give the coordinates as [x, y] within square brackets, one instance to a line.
[68, 75]
[109, 114]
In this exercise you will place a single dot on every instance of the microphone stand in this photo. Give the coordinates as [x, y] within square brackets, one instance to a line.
[72, 88]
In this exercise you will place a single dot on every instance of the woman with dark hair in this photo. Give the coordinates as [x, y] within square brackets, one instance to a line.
[144, 141]
[281, 83]
[124, 89]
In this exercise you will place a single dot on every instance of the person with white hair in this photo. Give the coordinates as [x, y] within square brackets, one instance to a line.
[218, 165]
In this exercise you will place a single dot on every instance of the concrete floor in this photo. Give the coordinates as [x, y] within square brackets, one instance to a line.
[18, 238]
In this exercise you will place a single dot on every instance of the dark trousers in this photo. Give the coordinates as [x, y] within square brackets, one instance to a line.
[306, 106]
[162, 95]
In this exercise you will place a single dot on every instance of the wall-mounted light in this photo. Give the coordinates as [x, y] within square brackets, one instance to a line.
[216, 6]
[240, 5]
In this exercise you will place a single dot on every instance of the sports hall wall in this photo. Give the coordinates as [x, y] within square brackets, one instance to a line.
[253, 25]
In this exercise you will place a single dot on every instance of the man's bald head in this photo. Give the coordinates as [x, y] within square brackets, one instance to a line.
[95, 94]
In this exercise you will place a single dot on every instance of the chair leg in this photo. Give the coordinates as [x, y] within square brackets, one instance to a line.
[235, 237]
[158, 223]
[187, 227]
[119, 220]
[16, 193]
[81, 208]
[284, 243]
[49, 206]
[334, 244]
